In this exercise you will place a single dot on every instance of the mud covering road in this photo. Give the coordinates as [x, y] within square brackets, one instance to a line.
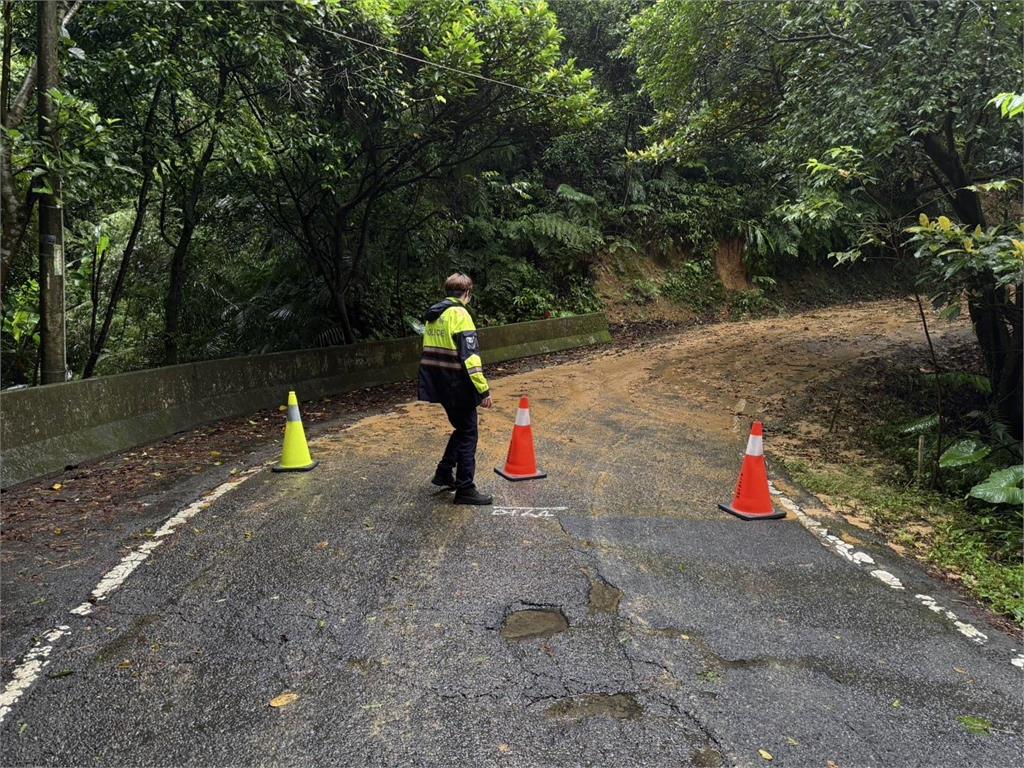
[608, 615]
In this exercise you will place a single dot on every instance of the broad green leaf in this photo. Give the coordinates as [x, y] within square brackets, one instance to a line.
[1002, 487]
[964, 452]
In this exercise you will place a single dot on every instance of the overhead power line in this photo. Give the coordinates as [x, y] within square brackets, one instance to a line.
[455, 70]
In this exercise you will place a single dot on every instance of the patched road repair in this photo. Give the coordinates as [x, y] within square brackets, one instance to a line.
[609, 614]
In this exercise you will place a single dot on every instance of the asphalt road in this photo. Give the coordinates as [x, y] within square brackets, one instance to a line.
[621, 621]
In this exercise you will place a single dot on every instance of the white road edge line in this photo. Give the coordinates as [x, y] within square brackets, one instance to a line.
[33, 663]
[857, 557]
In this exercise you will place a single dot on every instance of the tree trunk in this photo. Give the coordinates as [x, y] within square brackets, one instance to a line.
[149, 163]
[190, 220]
[51, 214]
[994, 315]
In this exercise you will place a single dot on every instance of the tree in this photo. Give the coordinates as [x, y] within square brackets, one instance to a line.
[905, 84]
[429, 92]
[53, 350]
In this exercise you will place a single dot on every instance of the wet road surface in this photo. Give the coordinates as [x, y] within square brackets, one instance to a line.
[607, 615]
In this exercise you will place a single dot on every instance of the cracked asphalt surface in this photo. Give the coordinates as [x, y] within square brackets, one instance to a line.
[666, 632]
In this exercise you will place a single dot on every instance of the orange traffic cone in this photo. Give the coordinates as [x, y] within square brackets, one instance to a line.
[521, 463]
[753, 500]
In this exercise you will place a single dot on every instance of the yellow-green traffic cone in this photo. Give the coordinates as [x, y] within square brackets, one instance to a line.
[295, 456]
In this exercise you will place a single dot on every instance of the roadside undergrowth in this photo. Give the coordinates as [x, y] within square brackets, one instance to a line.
[928, 526]
[856, 456]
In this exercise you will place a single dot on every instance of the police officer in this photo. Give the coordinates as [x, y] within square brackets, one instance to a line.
[451, 374]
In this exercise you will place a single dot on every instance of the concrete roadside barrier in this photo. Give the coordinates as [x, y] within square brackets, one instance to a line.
[44, 429]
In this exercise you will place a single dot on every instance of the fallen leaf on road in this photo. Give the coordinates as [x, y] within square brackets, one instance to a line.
[896, 703]
[322, 545]
[56, 486]
[284, 700]
[765, 754]
[215, 454]
[126, 664]
[58, 531]
[977, 725]
[504, 748]
[792, 742]
[831, 764]
[961, 671]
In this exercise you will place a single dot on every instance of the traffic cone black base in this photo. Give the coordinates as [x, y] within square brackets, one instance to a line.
[514, 478]
[279, 468]
[744, 516]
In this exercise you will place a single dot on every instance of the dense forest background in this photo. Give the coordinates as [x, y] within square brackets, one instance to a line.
[244, 177]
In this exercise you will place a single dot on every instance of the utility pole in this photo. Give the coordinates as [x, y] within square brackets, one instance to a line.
[53, 348]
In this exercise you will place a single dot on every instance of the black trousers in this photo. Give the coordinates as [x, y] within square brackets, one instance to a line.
[460, 454]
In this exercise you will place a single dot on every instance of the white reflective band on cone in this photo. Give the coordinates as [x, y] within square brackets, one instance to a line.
[755, 446]
[293, 413]
[522, 417]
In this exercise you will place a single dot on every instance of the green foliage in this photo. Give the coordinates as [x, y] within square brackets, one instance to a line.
[1002, 487]
[644, 291]
[20, 337]
[958, 258]
[751, 304]
[984, 549]
[927, 423]
[962, 453]
[1010, 105]
[694, 284]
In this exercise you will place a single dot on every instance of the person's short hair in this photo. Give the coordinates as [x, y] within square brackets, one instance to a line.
[457, 284]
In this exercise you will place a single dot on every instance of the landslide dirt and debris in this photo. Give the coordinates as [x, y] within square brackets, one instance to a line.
[68, 508]
[789, 371]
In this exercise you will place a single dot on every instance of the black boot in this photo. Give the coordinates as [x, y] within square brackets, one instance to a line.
[472, 496]
[444, 479]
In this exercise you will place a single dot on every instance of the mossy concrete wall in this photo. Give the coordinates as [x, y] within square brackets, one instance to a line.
[44, 429]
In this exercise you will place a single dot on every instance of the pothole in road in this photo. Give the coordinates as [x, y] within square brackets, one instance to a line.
[603, 596]
[707, 758]
[534, 622]
[621, 706]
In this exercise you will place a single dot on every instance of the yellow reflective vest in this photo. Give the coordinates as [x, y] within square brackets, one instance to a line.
[451, 371]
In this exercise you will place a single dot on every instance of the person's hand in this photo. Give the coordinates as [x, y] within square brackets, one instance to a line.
[487, 402]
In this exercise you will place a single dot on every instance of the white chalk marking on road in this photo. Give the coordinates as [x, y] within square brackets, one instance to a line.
[534, 512]
[968, 630]
[26, 673]
[533, 509]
